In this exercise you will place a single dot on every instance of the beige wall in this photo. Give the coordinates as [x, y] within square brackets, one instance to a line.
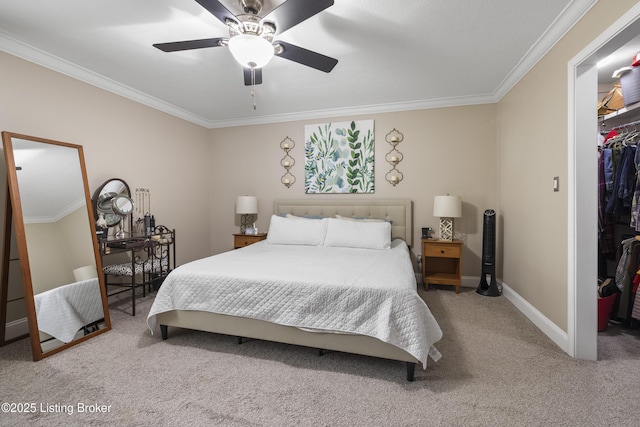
[48, 257]
[121, 138]
[74, 232]
[446, 150]
[57, 248]
[532, 149]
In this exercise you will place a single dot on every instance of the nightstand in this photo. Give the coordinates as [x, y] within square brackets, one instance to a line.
[441, 262]
[242, 240]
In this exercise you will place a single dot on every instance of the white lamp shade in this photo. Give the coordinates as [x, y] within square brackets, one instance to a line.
[247, 205]
[447, 206]
[251, 51]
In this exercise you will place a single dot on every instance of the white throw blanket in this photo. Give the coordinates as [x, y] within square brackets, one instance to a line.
[62, 311]
[328, 289]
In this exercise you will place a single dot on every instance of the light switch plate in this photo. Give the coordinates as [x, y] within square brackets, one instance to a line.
[556, 183]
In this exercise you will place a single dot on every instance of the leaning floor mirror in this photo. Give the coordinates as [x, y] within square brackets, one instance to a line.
[48, 215]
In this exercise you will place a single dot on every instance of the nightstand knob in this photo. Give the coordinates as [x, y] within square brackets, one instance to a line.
[441, 251]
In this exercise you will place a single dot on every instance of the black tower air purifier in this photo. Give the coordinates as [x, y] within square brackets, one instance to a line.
[489, 256]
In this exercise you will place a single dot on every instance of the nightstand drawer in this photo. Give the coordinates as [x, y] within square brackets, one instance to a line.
[242, 240]
[441, 251]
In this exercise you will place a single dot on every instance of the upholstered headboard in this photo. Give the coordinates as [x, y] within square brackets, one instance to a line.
[397, 211]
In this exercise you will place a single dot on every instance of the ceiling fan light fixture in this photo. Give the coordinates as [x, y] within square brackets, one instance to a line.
[251, 51]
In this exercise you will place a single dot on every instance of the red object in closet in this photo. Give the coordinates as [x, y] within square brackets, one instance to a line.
[605, 305]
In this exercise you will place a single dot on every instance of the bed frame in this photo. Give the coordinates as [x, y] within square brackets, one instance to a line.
[398, 211]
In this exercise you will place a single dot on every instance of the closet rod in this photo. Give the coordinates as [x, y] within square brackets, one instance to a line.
[637, 122]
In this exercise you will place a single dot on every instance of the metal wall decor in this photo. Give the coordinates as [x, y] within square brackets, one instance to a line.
[393, 157]
[287, 162]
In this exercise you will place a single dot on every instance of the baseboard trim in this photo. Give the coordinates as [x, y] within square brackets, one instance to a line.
[550, 329]
[16, 328]
[470, 281]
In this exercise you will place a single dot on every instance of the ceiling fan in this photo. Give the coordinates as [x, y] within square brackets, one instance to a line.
[251, 36]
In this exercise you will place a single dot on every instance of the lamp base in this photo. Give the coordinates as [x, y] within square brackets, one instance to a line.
[446, 229]
[246, 221]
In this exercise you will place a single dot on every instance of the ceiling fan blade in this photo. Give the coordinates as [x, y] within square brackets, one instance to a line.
[189, 44]
[306, 57]
[218, 10]
[247, 76]
[293, 12]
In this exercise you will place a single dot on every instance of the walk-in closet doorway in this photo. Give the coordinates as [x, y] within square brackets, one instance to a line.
[582, 268]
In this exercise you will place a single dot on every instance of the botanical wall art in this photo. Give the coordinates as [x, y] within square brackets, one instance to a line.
[339, 157]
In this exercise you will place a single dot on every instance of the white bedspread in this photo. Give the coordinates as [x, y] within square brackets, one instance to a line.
[62, 311]
[342, 290]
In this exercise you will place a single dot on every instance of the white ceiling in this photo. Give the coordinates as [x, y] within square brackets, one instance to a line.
[50, 180]
[393, 55]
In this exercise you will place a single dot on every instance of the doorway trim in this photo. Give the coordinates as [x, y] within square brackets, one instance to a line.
[582, 184]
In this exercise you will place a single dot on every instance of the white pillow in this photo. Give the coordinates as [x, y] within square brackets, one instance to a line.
[296, 231]
[358, 234]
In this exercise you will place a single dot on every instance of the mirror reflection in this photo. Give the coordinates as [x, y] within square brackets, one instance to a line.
[56, 241]
[113, 205]
[122, 205]
[114, 192]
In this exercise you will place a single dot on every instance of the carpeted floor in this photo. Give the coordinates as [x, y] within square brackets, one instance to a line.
[497, 369]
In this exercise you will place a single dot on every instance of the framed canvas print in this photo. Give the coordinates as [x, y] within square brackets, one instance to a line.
[339, 157]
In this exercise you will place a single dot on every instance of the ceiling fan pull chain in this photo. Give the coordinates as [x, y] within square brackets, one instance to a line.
[253, 87]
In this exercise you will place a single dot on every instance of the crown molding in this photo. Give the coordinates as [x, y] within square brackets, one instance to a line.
[561, 25]
[30, 53]
[355, 110]
[556, 31]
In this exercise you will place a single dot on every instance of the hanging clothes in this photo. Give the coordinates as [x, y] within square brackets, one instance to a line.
[635, 206]
[617, 177]
[624, 183]
[606, 240]
[608, 169]
[635, 312]
[627, 186]
[625, 274]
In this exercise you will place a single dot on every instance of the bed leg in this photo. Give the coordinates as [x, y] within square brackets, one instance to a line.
[411, 369]
[320, 352]
[164, 331]
[239, 340]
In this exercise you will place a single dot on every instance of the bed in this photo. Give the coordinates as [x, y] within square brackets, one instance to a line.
[63, 311]
[331, 275]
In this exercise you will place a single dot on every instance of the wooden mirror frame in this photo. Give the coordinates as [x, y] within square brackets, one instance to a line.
[14, 210]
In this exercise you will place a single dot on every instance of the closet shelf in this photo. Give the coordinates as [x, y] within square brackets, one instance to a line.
[631, 110]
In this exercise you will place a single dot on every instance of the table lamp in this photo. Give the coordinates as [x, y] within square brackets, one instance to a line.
[447, 207]
[247, 206]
